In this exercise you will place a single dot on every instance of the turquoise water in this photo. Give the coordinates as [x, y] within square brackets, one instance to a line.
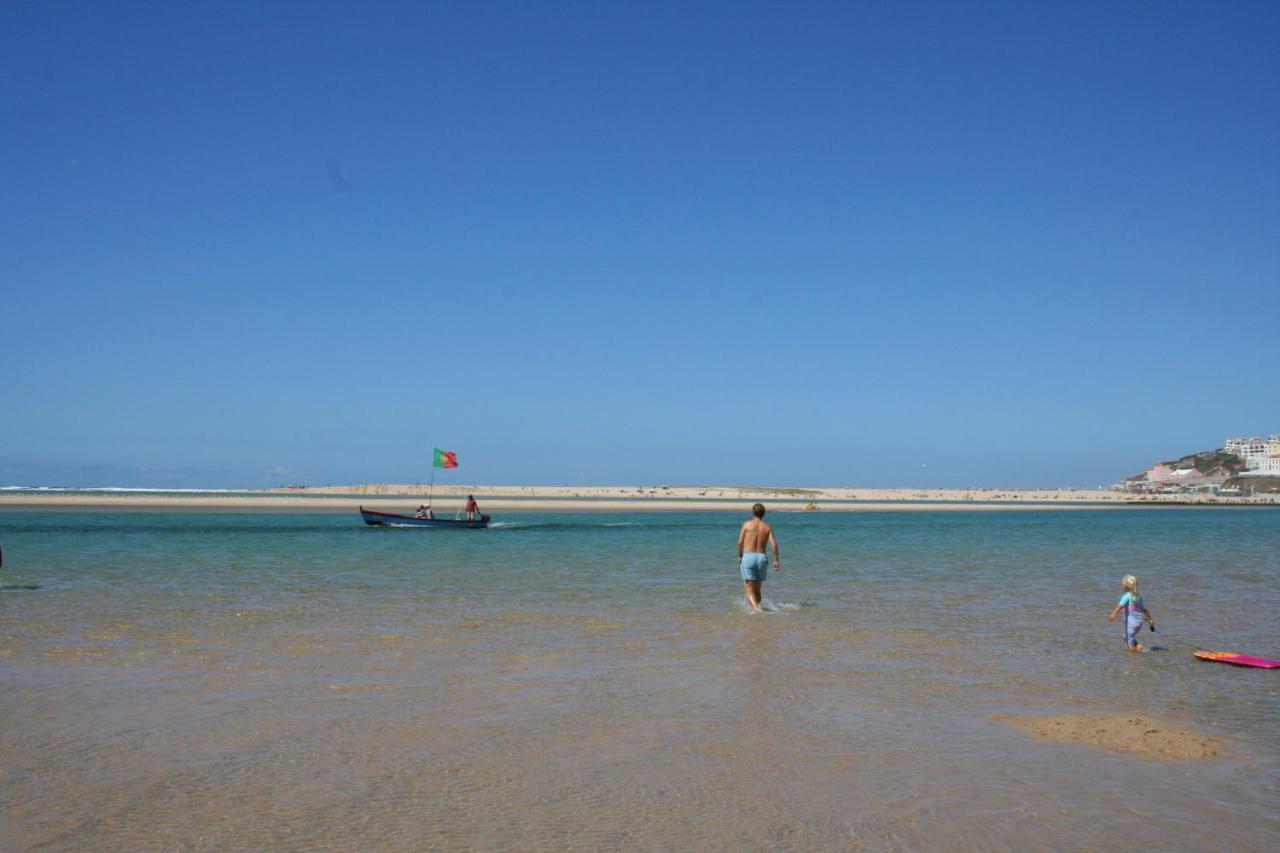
[607, 659]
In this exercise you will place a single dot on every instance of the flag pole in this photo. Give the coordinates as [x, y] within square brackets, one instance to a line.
[432, 489]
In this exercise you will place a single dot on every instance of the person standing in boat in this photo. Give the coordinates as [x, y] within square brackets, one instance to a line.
[753, 554]
[472, 510]
[424, 511]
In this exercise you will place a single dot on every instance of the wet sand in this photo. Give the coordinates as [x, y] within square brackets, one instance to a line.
[1137, 734]
[246, 681]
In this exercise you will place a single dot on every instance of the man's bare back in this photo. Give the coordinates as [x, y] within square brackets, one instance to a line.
[755, 536]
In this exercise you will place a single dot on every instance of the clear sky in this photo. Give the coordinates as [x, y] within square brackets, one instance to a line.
[870, 244]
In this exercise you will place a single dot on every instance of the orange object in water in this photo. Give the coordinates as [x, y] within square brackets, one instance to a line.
[1237, 659]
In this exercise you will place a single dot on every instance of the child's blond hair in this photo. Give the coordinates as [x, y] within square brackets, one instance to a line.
[1130, 584]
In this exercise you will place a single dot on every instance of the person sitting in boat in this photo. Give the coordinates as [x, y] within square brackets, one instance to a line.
[472, 510]
[424, 511]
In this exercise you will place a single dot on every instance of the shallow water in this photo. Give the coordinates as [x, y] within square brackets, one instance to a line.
[239, 681]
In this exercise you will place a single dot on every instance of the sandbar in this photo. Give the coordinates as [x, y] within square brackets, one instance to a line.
[1131, 733]
[502, 499]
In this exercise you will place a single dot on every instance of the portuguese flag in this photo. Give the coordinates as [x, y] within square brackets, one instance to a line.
[445, 459]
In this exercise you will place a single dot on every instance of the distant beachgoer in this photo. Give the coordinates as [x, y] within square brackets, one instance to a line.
[753, 554]
[1135, 611]
[472, 509]
[424, 511]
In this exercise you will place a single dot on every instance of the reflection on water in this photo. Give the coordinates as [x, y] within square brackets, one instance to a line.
[300, 681]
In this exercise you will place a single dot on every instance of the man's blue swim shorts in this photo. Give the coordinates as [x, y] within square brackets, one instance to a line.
[755, 567]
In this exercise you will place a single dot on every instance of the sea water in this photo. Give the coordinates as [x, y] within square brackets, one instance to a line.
[222, 680]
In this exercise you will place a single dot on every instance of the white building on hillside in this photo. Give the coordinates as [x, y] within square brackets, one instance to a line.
[1268, 466]
[1251, 450]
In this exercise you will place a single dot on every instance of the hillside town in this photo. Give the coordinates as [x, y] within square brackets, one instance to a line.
[1242, 466]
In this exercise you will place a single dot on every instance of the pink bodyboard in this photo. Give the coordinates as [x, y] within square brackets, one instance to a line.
[1237, 660]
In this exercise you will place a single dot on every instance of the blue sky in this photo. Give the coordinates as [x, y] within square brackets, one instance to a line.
[953, 244]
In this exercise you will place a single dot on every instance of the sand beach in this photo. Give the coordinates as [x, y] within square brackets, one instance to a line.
[405, 497]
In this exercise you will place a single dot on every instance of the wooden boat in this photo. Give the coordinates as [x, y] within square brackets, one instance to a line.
[390, 519]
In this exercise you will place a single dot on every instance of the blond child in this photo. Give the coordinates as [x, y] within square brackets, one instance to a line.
[1135, 612]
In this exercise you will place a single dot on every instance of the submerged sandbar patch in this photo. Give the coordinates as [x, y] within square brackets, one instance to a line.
[1134, 733]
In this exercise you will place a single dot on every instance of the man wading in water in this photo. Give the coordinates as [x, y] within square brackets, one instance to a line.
[753, 547]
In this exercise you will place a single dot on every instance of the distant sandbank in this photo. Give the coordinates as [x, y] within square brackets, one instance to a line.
[401, 497]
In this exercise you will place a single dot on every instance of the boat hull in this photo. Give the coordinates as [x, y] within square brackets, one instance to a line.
[390, 519]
